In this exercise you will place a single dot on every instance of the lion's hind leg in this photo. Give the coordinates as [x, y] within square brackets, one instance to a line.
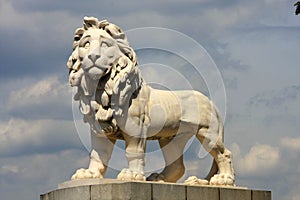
[212, 142]
[172, 150]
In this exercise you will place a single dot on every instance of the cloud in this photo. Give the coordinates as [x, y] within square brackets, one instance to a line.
[48, 98]
[262, 159]
[29, 49]
[275, 99]
[39, 171]
[6, 169]
[277, 108]
[292, 144]
[21, 137]
[165, 70]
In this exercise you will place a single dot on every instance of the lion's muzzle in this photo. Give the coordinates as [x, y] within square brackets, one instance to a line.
[94, 57]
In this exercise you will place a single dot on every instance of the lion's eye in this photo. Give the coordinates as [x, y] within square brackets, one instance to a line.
[104, 44]
[84, 42]
[87, 45]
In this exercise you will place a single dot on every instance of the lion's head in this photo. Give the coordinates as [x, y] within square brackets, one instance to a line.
[95, 45]
[104, 68]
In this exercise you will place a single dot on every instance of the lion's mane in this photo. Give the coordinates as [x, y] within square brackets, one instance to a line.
[113, 91]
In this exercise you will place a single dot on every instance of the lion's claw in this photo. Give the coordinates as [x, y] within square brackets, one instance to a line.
[193, 180]
[222, 179]
[129, 175]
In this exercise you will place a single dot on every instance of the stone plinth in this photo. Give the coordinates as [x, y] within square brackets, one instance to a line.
[98, 189]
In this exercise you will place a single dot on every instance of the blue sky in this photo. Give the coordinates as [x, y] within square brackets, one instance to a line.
[255, 45]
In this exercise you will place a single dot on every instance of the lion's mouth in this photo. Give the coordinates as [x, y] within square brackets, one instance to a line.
[106, 76]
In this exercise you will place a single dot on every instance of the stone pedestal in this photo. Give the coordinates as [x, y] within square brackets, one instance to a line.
[98, 189]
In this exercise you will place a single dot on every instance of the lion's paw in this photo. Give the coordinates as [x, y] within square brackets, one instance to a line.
[222, 179]
[86, 173]
[193, 180]
[129, 175]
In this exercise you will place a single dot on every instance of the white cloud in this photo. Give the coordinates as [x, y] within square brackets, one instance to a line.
[36, 93]
[292, 144]
[261, 159]
[19, 137]
[5, 169]
[39, 171]
[165, 76]
[32, 21]
[46, 98]
[210, 18]
[15, 18]
[223, 18]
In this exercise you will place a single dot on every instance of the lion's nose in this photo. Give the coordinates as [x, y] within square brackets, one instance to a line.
[93, 57]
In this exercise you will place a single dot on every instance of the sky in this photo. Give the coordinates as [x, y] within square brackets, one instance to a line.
[254, 44]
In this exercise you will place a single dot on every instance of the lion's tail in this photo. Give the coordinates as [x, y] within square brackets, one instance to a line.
[213, 170]
[214, 167]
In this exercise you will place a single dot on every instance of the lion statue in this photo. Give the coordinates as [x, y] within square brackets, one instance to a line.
[118, 104]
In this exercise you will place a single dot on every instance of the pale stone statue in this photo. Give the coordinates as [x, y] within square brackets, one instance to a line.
[118, 104]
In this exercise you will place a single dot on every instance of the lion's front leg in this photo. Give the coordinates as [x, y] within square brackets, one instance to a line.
[135, 153]
[102, 148]
[95, 170]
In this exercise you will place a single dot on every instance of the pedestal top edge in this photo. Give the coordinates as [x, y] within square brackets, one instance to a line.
[88, 182]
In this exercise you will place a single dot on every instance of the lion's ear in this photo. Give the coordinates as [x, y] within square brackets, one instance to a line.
[77, 36]
[103, 24]
[113, 30]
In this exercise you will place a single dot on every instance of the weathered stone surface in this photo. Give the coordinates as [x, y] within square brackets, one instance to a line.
[203, 193]
[137, 191]
[132, 191]
[111, 189]
[168, 192]
[234, 194]
[261, 195]
[76, 193]
[103, 191]
[83, 182]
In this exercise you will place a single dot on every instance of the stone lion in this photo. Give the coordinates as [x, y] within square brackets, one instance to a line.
[118, 104]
